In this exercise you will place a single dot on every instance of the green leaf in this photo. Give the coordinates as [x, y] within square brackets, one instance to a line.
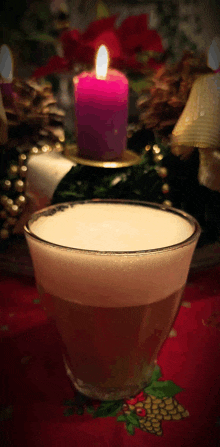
[122, 418]
[108, 409]
[133, 419]
[90, 409]
[80, 410]
[138, 85]
[69, 411]
[4, 328]
[156, 374]
[130, 428]
[166, 388]
[41, 37]
[102, 10]
[68, 402]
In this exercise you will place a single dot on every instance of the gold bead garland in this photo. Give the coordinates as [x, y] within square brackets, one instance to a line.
[6, 185]
[165, 188]
[19, 186]
[11, 208]
[22, 158]
[162, 171]
[167, 203]
[13, 170]
[23, 171]
[4, 233]
[21, 200]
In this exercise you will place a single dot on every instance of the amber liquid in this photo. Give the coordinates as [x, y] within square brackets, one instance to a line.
[111, 348]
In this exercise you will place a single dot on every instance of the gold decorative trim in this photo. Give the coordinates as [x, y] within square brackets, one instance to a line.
[129, 158]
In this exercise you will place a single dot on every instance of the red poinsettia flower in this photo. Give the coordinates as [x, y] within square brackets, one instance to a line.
[135, 36]
[124, 43]
[70, 42]
[56, 64]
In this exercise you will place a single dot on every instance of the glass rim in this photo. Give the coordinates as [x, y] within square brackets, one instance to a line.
[50, 210]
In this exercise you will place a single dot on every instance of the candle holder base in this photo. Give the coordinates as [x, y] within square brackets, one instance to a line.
[129, 158]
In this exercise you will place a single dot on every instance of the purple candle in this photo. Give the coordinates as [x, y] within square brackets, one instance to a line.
[101, 109]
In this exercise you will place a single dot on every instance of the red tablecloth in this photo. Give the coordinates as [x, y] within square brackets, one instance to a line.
[37, 400]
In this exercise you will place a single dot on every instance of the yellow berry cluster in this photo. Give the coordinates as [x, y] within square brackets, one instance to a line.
[153, 410]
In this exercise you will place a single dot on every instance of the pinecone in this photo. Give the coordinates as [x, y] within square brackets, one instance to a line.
[32, 114]
[162, 106]
[35, 125]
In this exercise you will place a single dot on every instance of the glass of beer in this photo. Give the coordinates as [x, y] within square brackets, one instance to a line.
[111, 274]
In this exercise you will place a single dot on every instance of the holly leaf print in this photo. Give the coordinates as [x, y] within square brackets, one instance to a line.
[166, 388]
[108, 408]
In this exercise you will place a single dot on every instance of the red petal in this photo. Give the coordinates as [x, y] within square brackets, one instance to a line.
[129, 63]
[152, 42]
[132, 401]
[97, 27]
[110, 40]
[69, 36]
[140, 397]
[147, 41]
[85, 54]
[56, 64]
[70, 42]
[133, 25]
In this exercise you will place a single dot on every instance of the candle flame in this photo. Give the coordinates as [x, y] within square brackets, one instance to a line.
[102, 60]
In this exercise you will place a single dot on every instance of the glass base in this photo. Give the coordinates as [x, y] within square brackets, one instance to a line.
[101, 393]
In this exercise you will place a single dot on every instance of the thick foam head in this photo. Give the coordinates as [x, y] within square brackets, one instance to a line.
[110, 227]
[114, 270]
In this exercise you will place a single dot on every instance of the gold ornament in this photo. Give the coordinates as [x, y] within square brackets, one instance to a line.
[165, 188]
[167, 203]
[13, 210]
[21, 200]
[23, 171]
[45, 148]
[209, 168]
[158, 158]
[6, 184]
[4, 233]
[22, 158]
[3, 200]
[19, 185]
[9, 203]
[198, 125]
[162, 172]
[34, 150]
[156, 149]
[58, 147]
[13, 170]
